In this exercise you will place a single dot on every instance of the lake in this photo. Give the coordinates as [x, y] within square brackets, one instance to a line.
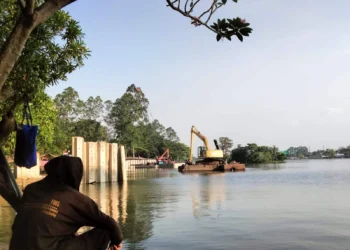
[297, 205]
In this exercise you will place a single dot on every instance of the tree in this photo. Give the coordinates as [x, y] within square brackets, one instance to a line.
[93, 108]
[107, 120]
[90, 130]
[298, 151]
[43, 61]
[126, 113]
[44, 115]
[30, 15]
[171, 135]
[226, 145]
[330, 153]
[254, 154]
[68, 105]
[274, 153]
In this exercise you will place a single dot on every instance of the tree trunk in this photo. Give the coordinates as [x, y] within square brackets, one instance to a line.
[15, 43]
[14, 46]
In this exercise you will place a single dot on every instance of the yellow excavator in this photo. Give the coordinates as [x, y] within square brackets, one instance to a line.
[209, 160]
[204, 152]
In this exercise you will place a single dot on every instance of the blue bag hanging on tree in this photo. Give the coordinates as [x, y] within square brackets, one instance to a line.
[25, 149]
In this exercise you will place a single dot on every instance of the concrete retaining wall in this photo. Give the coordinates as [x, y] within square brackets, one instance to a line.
[103, 162]
[100, 159]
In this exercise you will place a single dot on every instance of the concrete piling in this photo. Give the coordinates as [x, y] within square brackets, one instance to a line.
[122, 176]
[91, 164]
[101, 162]
[113, 162]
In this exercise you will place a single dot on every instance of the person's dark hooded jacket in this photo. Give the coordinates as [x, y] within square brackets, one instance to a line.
[53, 209]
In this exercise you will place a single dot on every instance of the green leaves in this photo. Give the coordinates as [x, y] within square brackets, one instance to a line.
[226, 28]
[54, 50]
[240, 37]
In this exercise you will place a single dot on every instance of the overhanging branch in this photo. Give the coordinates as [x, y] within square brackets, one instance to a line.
[30, 6]
[48, 8]
[21, 4]
[195, 20]
[224, 28]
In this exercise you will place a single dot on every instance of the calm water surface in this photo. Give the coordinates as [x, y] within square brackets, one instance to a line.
[298, 205]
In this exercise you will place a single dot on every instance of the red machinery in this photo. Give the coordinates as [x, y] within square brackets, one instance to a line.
[164, 158]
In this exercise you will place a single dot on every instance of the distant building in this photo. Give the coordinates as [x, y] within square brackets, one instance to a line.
[339, 155]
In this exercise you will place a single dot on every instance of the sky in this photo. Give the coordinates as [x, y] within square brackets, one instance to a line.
[288, 84]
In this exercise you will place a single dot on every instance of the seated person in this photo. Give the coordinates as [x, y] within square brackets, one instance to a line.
[52, 210]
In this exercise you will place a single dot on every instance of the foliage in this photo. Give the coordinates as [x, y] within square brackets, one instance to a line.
[125, 121]
[126, 114]
[45, 116]
[54, 49]
[330, 153]
[226, 145]
[78, 118]
[128, 117]
[345, 151]
[90, 130]
[254, 154]
[224, 28]
[298, 152]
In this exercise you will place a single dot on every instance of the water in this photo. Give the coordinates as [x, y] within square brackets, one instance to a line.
[298, 205]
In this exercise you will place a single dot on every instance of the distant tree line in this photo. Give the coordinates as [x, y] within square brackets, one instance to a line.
[254, 154]
[303, 152]
[123, 121]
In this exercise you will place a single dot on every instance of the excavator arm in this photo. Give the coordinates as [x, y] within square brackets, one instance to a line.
[166, 152]
[212, 154]
[195, 131]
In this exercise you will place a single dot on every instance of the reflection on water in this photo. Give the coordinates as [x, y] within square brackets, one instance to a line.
[299, 205]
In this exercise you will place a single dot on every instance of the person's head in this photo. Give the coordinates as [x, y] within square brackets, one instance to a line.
[66, 169]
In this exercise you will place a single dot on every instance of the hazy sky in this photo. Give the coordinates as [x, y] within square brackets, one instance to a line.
[286, 85]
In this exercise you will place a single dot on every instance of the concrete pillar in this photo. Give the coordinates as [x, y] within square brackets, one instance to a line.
[91, 162]
[78, 147]
[78, 150]
[101, 162]
[74, 146]
[122, 166]
[113, 162]
[86, 169]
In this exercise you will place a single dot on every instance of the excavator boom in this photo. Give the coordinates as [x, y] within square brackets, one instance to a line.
[166, 152]
[208, 152]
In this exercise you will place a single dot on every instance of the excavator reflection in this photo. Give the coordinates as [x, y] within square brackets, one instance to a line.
[208, 195]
